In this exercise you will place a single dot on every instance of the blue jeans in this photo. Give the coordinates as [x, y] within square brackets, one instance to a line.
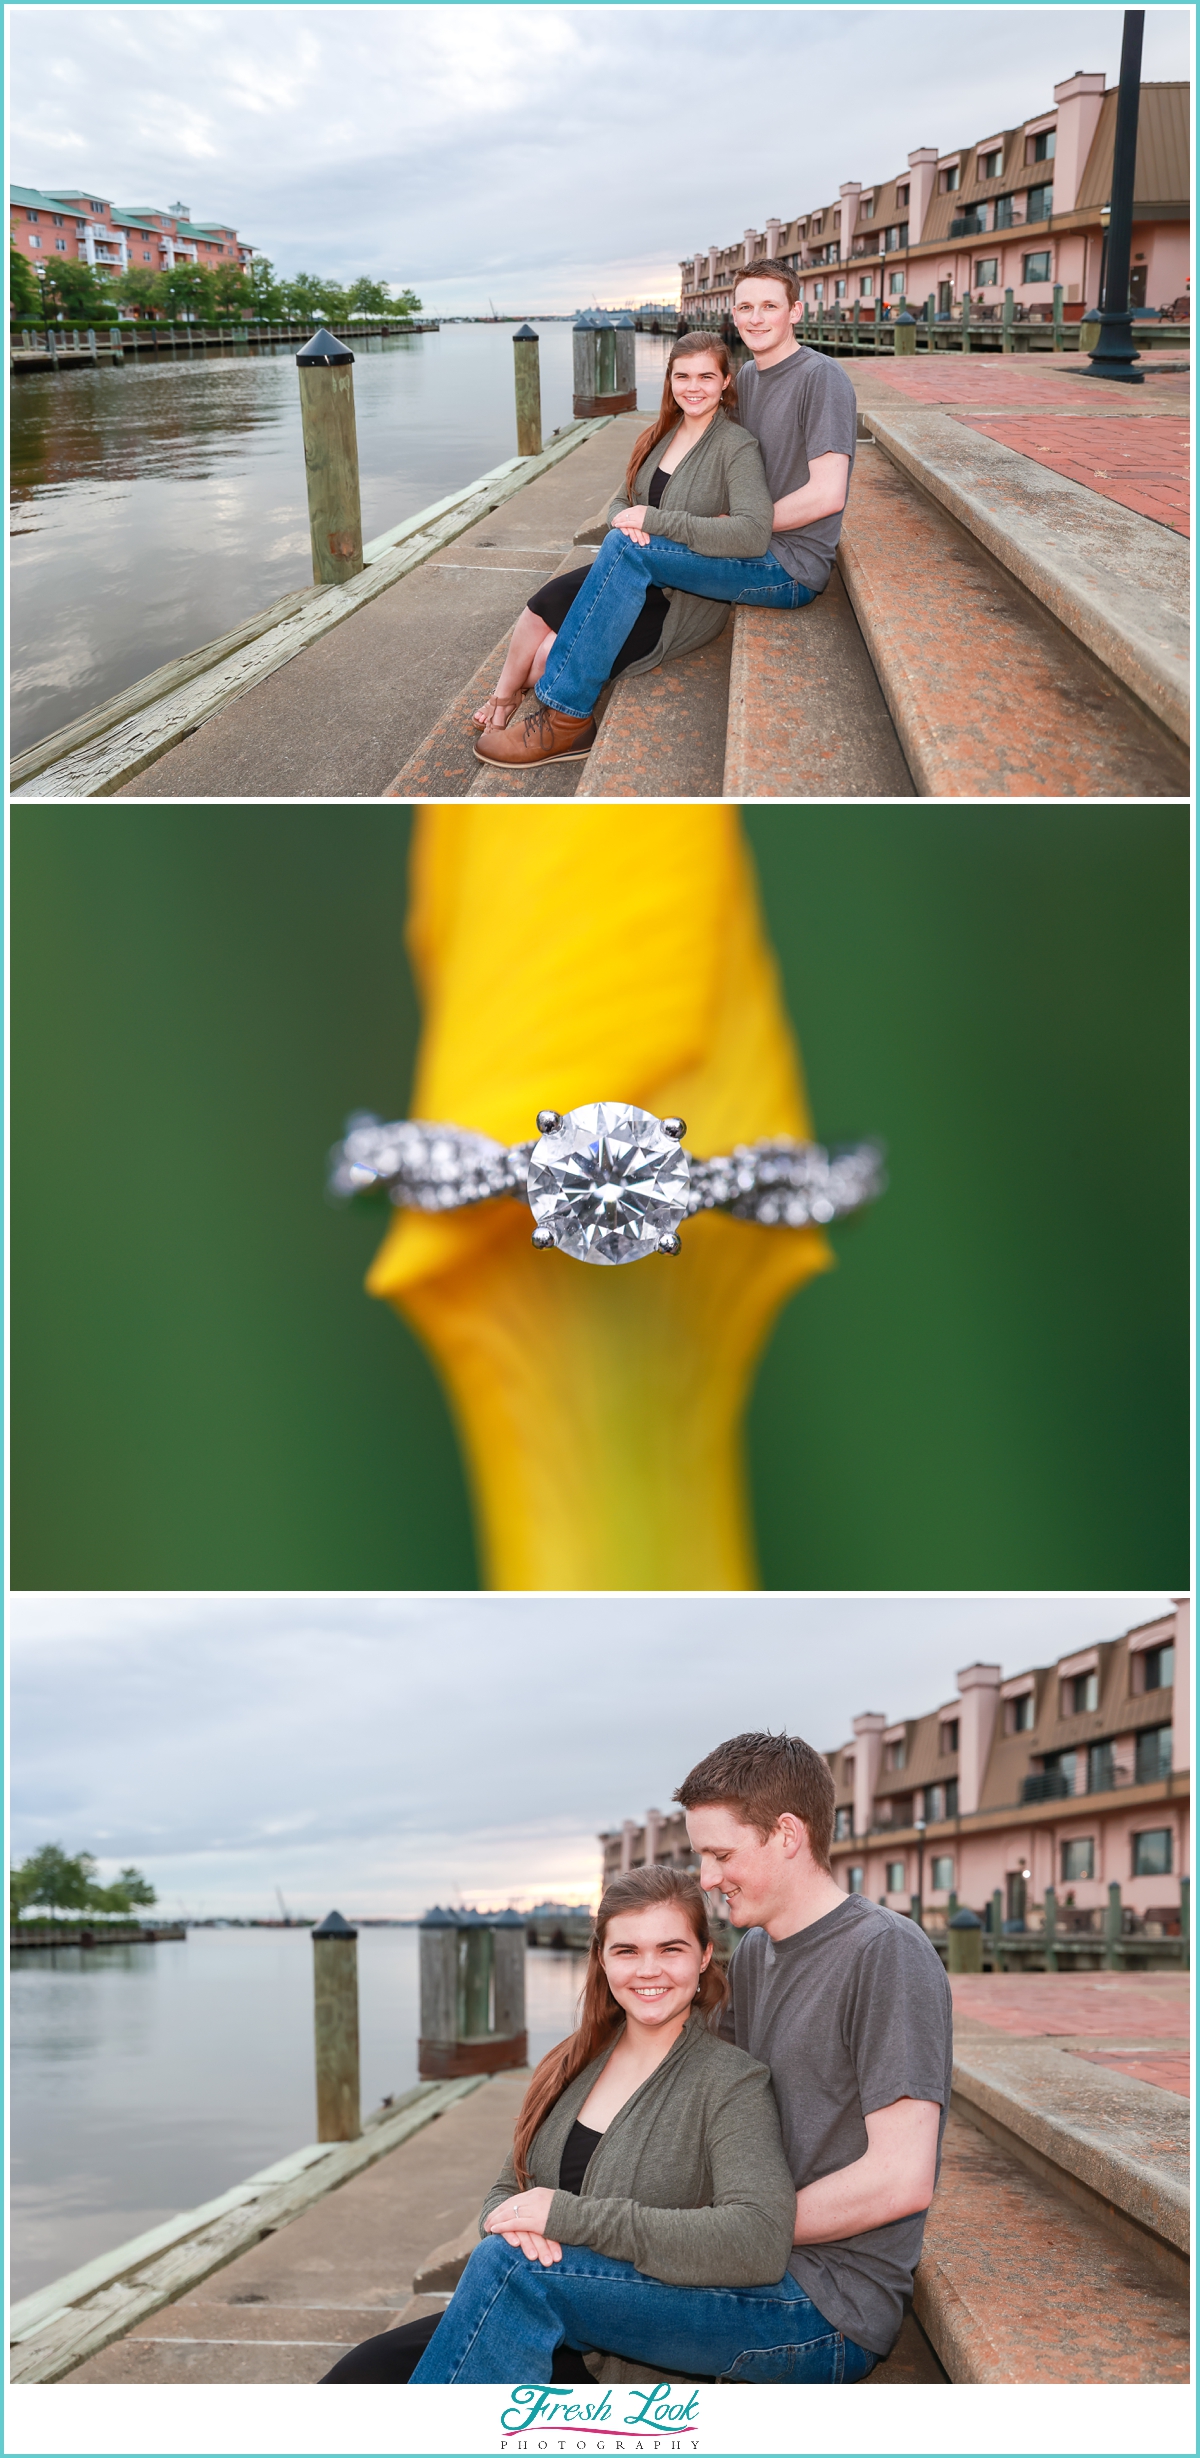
[507, 2316]
[611, 599]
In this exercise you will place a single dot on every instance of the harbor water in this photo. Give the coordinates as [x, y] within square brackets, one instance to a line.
[148, 2079]
[157, 504]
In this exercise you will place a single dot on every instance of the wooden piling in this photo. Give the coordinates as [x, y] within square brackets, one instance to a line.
[472, 1994]
[335, 2029]
[1113, 1925]
[528, 391]
[331, 457]
[1050, 1929]
[1006, 322]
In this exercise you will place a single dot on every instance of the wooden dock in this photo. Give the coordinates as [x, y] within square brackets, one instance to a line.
[88, 1934]
[30, 352]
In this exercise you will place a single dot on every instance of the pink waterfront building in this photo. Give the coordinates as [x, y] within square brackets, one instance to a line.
[1071, 1775]
[49, 222]
[1021, 209]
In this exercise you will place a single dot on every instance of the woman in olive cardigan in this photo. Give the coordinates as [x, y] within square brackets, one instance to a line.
[644, 2137]
[701, 479]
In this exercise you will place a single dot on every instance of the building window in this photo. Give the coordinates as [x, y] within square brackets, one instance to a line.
[948, 1737]
[895, 285]
[839, 290]
[818, 292]
[1152, 1853]
[1038, 205]
[57, 220]
[843, 1825]
[35, 217]
[952, 1797]
[1152, 1758]
[96, 203]
[1081, 1695]
[34, 240]
[895, 1877]
[1159, 1667]
[1002, 213]
[942, 1876]
[1079, 1858]
[901, 197]
[868, 208]
[61, 245]
[818, 224]
[145, 256]
[895, 1749]
[986, 276]
[948, 180]
[854, 1881]
[935, 1803]
[1018, 1713]
[866, 290]
[991, 166]
[1043, 146]
[1101, 1777]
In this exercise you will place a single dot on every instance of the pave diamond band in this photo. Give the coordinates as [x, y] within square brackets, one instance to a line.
[605, 1183]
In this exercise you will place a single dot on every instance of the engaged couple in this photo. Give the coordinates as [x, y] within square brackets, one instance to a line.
[714, 2179]
[733, 497]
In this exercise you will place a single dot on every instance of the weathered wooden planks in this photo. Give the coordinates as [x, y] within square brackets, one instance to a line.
[70, 2332]
[105, 749]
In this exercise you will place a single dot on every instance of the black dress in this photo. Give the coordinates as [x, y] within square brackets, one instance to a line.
[553, 602]
[395, 2354]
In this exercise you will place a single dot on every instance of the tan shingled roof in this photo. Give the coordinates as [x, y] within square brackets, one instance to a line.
[1163, 172]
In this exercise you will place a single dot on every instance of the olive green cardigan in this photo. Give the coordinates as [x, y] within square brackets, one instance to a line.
[689, 2182]
[722, 474]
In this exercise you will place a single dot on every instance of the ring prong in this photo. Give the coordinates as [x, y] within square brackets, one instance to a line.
[549, 1122]
[669, 1244]
[676, 1128]
[542, 1238]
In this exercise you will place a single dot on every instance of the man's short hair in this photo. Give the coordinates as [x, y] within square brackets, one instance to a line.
[759, 1776]
[768, 269]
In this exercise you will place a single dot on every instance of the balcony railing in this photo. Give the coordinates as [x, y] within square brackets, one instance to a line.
[968, 226]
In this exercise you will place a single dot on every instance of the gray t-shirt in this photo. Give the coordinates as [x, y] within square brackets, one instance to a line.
[849, 2015]
[803, 407]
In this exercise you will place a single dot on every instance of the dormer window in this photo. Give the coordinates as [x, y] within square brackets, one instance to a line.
[868, 208]
[991, 166]
[901, 196]
[948, 180]
[948, 1737]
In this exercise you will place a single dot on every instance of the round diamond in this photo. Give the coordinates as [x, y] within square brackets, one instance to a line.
[609, 1183]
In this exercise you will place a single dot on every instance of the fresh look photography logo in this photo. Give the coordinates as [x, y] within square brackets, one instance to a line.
[535, 2418]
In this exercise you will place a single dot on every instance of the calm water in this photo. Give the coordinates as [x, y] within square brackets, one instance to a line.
[146, 2079]
[155, 506]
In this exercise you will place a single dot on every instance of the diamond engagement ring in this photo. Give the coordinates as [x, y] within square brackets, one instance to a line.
[606, 1183]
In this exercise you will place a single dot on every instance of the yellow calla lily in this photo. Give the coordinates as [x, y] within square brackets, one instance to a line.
[567, 953]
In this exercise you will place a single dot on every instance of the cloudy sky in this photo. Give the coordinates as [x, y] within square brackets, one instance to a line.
[381, 1754]
[541, 156]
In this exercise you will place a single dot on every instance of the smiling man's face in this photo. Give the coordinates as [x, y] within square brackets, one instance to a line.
[764, 315]
[755, 1873]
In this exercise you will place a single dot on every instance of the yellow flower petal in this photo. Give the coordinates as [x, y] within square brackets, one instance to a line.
[569, 953]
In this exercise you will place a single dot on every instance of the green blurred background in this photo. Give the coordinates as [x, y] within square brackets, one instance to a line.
[990, 1391]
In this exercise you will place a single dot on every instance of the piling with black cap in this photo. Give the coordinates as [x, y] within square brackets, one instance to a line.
[964, 1942]
[335, 2026]
[330, 457]
[529, 391]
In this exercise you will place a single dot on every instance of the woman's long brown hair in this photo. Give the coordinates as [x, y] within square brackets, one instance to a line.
[689, 345]
[600, 2017]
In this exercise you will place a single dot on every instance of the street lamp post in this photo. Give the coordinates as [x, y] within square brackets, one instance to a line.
[919, 1897]
[1114, 354]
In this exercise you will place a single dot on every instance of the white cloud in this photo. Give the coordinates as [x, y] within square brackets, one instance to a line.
[382, 1753]
[543, 154]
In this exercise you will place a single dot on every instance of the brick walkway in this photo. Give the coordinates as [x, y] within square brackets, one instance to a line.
[1138, 2020]
[1142, 463]
[983, 384]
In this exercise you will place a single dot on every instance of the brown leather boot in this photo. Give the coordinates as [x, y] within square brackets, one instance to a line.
[538, 737]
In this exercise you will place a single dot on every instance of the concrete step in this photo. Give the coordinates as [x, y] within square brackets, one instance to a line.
[807, 717]
[989, 693]
[1018, 2283]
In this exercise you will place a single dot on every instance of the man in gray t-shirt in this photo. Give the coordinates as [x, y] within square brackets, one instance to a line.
[800, 408]
[852, 2014]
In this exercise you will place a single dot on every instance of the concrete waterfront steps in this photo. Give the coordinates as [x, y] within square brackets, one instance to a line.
[1056, 2248]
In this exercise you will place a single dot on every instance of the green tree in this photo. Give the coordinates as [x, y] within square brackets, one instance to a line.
[82, 294]
[267, 295]
[24, 288]
[59, 1881]
[231, 290]
[139, 289]
[367, 298]
[406, 303]
[187, 290]
[305, 296]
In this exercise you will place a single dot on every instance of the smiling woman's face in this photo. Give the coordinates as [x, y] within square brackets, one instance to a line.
[697, 382]
[652, 1962]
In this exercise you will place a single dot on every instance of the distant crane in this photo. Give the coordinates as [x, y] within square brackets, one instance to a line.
[284, 1913]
